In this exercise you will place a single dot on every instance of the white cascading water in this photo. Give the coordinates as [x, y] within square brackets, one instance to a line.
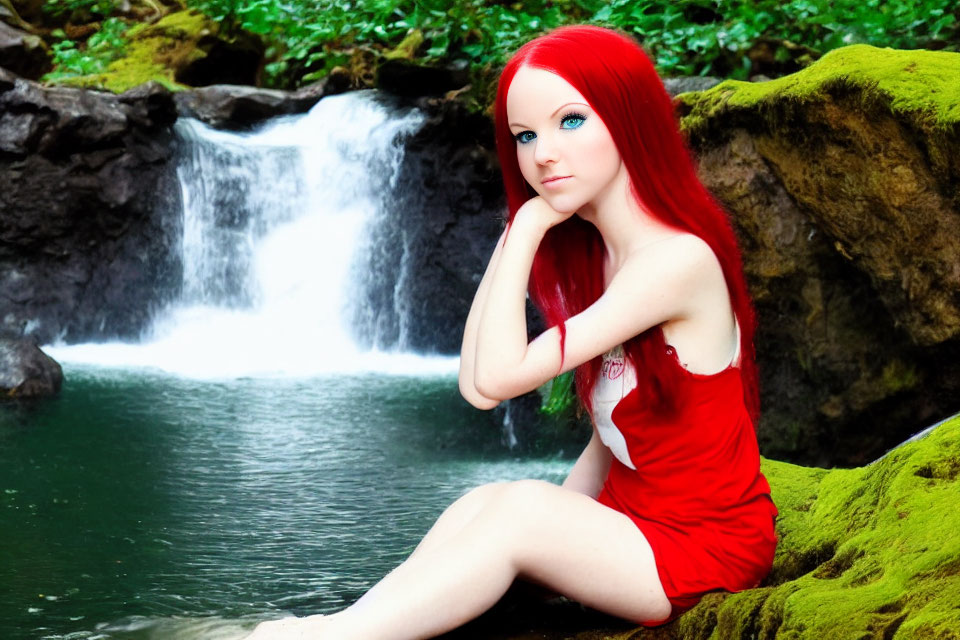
[271, 222]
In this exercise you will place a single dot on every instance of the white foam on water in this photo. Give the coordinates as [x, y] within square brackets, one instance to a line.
[172, 628]
[271, 222]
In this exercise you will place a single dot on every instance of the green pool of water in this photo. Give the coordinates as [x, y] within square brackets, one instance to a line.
[139, 505]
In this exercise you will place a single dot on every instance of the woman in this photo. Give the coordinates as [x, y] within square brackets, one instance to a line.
[638, 272]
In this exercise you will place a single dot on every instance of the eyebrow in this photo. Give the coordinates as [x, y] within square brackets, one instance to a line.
[517, 124]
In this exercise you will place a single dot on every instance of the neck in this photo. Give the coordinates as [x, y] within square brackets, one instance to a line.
[623, 223]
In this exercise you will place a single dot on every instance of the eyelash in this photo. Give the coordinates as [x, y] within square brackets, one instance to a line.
[573, 115]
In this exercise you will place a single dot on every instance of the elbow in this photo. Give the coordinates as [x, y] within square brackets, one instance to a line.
[499, 382]
[488, 385]
[482, 403]
[476, 398]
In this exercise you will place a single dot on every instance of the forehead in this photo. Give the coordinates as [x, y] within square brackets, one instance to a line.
[537, 93]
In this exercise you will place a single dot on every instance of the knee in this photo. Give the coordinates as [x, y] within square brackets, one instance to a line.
[475, 500]
[481, 496]
[514, 518]
[521, 501]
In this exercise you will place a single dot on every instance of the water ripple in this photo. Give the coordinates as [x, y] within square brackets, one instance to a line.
[146, 506]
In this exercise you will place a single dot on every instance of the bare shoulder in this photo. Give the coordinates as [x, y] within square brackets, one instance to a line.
[667, 279]
[677, 257]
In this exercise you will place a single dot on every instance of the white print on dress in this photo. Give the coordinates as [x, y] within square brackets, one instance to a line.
[612, 369]
[616, 381]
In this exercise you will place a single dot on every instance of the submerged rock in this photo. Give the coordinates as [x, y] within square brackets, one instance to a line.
[26, 371]
[842, 181]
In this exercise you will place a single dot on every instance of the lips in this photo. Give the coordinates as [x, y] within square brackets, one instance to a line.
[553, 179]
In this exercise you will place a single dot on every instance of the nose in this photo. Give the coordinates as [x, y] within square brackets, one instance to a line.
[546, 150]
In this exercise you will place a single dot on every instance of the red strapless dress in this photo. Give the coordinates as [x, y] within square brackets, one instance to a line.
[695, 488]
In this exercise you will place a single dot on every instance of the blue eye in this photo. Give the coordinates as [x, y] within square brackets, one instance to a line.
[572, 121]
[569, 121]
[525, 136]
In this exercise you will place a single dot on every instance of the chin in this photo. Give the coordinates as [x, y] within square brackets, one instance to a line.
[563, 205]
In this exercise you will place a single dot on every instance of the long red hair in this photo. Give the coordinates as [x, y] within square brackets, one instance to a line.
[620, 83]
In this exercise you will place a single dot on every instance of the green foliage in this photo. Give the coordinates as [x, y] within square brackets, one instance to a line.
[685, 37]
[93, 7]
[306, 38]
[102, 48]
[561, 397]
[691, 37]
[303, 34]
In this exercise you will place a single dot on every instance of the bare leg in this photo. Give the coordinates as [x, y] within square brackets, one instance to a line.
[553, 536]
[458, 515]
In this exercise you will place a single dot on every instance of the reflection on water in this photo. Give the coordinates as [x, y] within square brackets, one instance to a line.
[173, 628]
[149, 506]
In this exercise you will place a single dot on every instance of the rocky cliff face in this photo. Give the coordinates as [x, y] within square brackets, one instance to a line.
[842, 182]
[89, 210]
[450, 200]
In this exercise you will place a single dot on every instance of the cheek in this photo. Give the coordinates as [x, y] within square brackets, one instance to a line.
[600, 155]
[527, 165]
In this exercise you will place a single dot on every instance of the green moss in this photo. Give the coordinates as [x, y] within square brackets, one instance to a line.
[898, 375]
[867, 551]
[154, 53]
[924, 85]
[871, 552]
[181, 24]
[407, 49]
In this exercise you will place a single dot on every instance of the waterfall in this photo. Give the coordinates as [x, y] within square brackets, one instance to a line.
[274, 222]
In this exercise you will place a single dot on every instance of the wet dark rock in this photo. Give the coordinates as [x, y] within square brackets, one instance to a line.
[683, 84]
[406, 78]
[23, 53]
[238, 107]
[89, 210]
[26, 371]
[234, 60]
[451, 196]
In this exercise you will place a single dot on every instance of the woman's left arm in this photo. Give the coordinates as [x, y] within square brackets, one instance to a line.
[468, 347]
[665, 281]
[502, 331]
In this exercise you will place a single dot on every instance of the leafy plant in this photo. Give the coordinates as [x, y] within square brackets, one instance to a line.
[561, 396]
[685, 37]
[102, 48]
[306, 38]
[690, 37]
[97, 7]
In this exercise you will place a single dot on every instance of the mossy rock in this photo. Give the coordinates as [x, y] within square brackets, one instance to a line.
[843, 183]
[869, 552]
[920, 85]
[170, 52]
[408, 47]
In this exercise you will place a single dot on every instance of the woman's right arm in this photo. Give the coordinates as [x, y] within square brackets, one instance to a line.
[591, 469]
[468, 349]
